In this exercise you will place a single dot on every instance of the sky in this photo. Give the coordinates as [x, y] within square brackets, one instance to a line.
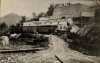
[27, 7]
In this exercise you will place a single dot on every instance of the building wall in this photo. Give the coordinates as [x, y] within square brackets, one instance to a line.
[30, 28]
[97, 15]
[80, 21]
[61, 23]
[58, 21]
[72, 10]
[88, 14]
[29, 24]
[62, 27]
[43, 18]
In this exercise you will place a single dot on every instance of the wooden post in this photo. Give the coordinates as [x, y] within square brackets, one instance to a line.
[50, 38]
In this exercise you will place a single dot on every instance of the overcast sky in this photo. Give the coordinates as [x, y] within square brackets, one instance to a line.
[27, 7]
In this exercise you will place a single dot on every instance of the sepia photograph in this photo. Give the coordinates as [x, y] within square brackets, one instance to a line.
[49, 31]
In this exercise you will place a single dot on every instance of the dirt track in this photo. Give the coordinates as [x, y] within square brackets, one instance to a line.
[57, 47]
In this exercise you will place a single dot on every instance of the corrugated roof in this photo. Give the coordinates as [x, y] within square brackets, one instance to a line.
[37, 22]
[29, 24]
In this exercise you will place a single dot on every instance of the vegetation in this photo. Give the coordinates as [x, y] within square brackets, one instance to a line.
[42, 14]
[36, 17]
[88, 44]
[23, 20]
[4, 29]
[15, 28]
[87, 40]
[50, 10]
[30, 39]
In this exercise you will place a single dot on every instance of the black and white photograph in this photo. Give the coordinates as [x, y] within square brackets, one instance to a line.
[49, 31]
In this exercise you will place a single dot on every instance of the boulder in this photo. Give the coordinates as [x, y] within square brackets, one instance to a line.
[74, 29]
[4, 40]
[13, 35]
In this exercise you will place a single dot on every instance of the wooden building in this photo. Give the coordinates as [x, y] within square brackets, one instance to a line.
[29, 27]
[37, 26]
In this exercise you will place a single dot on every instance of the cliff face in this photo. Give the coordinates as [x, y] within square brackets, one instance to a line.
[70, 10]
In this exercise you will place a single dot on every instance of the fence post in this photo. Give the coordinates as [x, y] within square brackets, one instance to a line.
[50, 38]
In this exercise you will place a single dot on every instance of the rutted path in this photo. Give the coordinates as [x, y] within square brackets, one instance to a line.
[59, 48]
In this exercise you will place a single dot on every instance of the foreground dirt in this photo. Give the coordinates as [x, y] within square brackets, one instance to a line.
[57, 47]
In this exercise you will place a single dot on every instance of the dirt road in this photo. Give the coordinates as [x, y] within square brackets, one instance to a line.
[57, 47]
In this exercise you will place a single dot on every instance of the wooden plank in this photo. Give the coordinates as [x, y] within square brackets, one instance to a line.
[21, 50]
[59, 59]
[92, 45]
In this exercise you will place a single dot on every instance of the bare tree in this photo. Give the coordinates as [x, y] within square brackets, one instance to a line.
[42, 14]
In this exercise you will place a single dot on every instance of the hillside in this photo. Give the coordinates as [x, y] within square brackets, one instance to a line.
[72, 10]
[87, 40]
[12, 18]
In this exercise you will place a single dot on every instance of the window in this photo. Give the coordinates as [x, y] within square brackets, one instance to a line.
[50, 22]
[60, 27]
[58, 22]
[64, 27]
